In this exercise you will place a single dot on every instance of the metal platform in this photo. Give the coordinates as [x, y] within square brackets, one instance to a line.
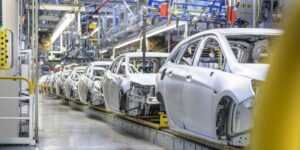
[163, 137]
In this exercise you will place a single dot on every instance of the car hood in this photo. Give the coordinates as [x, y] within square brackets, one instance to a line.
[143, 79]
[253, 71]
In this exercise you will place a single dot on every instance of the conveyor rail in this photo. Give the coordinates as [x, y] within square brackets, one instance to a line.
[136, 124]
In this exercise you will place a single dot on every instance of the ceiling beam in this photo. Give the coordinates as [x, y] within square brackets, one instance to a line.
[48, 18]
[60, 7]
[49, 26]
[62, 25]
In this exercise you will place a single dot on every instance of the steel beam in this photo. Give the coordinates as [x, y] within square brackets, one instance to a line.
[101, 5]
[48, 18]
[48, 26]
[60, 7]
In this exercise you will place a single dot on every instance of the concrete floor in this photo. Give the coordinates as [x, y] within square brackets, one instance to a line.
[62, 128]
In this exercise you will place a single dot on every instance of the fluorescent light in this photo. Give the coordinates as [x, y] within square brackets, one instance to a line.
[103, 51]
[93, 32]
[62, 25]
[127, 43]
[163, 29]
[152, 33]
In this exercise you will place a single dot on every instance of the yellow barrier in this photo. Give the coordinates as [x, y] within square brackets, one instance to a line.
[31, 88]
[277, 125]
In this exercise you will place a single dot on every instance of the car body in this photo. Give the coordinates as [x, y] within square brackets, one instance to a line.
[71, 83]
[90, 83]
[52, 81]
[129, 87]
[59, 82]
[42, 83]
[209, 81]
[48, 83]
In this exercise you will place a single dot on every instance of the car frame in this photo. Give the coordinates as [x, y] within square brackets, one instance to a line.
[59, 82]
[71, 83]
[120, 87]
[213, 101]
[89, 86]
[52, 81]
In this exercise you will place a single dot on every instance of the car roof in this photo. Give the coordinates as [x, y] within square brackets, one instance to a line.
[254, 31]
[80, 67]
[148, 54]
[99, 68]
[101, 63]
[67, 71]
[238, 31]
[235, 31]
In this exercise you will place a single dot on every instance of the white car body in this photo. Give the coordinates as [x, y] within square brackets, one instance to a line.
[48, 83]
[123, 80]
[42, 82]
[89, 84]
[59, 82]
[210, 95]
[71, 83]
[52, 81]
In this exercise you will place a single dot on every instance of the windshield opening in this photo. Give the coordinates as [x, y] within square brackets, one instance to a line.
[102, 66]
[252, 49]
[99, 73]
[79, 71]
[152, 64]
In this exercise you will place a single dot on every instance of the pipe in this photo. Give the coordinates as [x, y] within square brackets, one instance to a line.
[30, 84]
[100, 5]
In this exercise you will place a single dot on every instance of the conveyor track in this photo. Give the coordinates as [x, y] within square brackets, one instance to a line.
[178, 137]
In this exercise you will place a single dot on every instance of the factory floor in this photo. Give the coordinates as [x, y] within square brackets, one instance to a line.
[62, 128]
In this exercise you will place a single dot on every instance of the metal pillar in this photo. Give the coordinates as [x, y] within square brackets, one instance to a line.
[36, 62]
[254, 13]
[169, 41]
[78, 27]
[186, 30]
[61, 43]
[144, 47]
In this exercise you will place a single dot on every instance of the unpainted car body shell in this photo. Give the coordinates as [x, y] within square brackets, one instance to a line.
[59, 82]
[53, 85]
[122, 83]
[183, 99]
[85, 86]
[71, 84]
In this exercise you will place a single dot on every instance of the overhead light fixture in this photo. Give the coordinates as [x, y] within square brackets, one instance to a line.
[103, 51]
[90, 35]
[151, 33]
[62, 25]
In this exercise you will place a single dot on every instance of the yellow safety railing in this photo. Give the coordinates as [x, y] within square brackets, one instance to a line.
[30, 85]
[278, 121]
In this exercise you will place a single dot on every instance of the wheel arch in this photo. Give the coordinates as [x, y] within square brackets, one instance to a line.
[224, 113]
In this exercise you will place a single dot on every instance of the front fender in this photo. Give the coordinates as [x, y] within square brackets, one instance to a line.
[237, 87]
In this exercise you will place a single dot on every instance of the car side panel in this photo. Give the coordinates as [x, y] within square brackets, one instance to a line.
[197, 95]
[172, 93]
[105, 87]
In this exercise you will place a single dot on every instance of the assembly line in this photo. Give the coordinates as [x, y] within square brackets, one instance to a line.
[149, 74]
[195, 86]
